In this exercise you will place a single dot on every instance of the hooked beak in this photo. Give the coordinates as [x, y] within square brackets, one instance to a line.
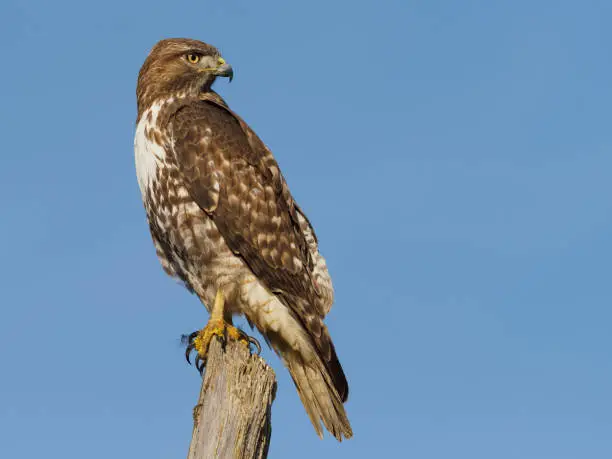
[224, 70]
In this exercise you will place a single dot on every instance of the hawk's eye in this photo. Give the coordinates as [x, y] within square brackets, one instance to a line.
[193, 58]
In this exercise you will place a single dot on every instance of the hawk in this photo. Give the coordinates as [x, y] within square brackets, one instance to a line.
[224, 222]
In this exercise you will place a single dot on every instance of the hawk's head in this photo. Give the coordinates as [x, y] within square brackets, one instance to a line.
[179, 65]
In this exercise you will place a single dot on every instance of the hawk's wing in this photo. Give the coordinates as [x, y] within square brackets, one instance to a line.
[235, 179]
[232, 176]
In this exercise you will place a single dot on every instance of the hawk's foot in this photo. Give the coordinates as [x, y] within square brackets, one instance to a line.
[200, 340]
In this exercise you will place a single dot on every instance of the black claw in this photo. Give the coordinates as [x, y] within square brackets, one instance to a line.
[250, 340]
[188, 353]
[199, 364]
[187, 339]
[255, 343]
[190, 346]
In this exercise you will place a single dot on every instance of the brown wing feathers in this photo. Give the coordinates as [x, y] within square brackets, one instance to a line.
[232, 176]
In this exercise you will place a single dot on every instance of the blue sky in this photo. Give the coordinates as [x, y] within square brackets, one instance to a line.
[454, 158]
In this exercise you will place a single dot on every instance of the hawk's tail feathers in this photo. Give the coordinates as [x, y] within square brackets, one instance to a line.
[319, 396]
[333, 365]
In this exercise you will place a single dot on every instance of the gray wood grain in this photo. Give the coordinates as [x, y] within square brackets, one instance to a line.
[233, 416]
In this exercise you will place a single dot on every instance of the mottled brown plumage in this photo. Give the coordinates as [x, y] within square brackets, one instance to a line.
[222, 216]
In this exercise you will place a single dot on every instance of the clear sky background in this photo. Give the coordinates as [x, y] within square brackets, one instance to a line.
[454, 158]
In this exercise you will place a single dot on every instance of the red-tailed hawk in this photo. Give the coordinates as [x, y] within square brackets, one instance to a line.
[224, 222]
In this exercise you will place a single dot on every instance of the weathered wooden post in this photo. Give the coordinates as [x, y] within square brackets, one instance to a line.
[233, 416]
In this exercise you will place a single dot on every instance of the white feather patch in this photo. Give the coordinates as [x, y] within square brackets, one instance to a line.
[269, 313]
[147, 153]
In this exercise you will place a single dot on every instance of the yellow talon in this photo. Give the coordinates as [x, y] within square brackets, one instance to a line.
[202, 341]
[233, 333]
[216, 326]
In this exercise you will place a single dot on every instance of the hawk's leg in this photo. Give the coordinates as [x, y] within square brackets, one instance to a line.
[216, 326]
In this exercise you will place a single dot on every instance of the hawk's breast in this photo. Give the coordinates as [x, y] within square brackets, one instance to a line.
[152, 170]
[148, 153]
[187, 241]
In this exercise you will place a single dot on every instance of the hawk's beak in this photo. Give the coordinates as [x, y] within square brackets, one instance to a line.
[224, 70]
